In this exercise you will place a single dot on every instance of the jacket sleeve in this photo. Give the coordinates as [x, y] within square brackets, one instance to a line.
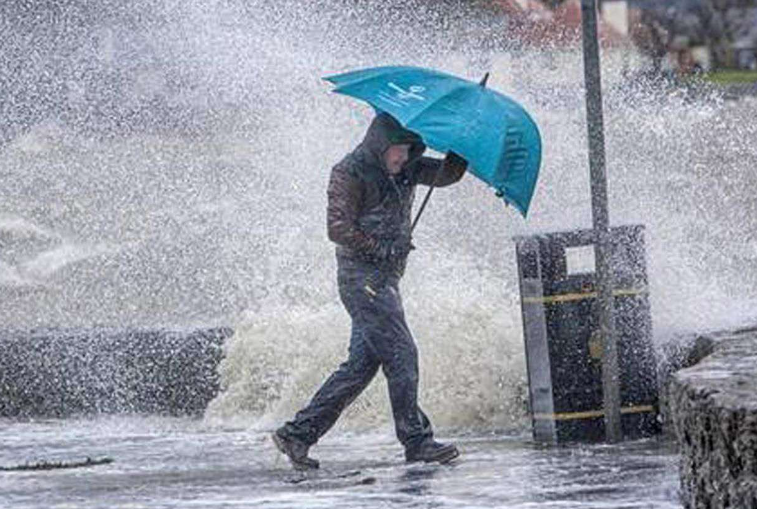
[345, 193]
[440, 173]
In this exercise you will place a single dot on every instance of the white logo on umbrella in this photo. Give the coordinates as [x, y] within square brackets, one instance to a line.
[400, 96]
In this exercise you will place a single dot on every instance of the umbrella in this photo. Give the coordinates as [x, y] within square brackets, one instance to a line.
[492, 132]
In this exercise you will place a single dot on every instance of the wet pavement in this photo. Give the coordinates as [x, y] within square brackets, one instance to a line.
[162, 462]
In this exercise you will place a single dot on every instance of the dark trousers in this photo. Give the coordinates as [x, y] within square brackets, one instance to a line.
[380, 338]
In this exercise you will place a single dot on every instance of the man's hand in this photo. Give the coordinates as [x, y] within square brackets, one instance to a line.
[392, 251]
[388, 256]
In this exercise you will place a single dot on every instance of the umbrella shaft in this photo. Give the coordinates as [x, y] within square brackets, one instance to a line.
[423, 206]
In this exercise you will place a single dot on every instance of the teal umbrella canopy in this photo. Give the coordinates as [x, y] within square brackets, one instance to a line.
[497, 137]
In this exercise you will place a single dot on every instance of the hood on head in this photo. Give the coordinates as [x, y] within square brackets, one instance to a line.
[384, 131]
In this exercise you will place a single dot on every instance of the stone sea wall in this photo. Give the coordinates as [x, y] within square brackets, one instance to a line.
[713, 410]
[64, 372]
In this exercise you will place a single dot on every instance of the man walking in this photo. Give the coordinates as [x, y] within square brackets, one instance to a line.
[370, 197]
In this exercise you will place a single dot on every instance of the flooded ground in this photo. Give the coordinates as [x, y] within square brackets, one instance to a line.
[161, 462]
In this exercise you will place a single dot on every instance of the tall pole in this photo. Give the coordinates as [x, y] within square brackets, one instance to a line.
[601, 222]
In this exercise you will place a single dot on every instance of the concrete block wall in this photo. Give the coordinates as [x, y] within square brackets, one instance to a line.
[64, 372]
[713, 408]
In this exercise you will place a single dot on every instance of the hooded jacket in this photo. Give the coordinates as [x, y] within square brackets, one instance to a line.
[367, 206]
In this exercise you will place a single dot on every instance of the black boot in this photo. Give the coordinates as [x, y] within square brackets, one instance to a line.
[430, 451]
[296, 450]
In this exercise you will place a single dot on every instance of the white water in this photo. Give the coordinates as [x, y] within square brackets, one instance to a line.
[215, 212]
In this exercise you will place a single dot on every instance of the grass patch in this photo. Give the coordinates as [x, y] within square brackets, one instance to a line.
[729, 77]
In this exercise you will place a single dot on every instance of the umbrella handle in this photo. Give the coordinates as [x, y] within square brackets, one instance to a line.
[428, 195]
[425, 201]
[432, 186]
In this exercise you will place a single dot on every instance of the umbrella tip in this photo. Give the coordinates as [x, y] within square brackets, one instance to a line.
[484, 80]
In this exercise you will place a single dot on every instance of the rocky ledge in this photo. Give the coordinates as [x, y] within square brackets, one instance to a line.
[713, 407]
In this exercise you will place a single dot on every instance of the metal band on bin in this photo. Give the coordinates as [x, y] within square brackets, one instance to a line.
[569, 416]
[569, 297]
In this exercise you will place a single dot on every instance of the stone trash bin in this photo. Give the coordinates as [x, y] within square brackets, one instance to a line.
[563, 344]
